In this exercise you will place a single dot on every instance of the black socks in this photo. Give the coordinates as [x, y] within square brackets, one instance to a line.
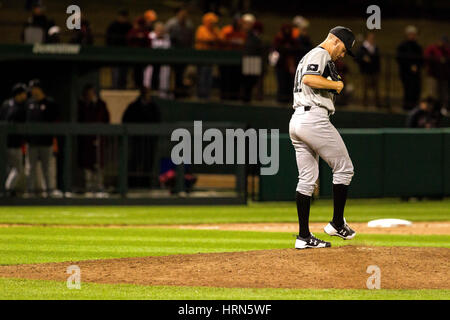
[303, 206]
[339, 198]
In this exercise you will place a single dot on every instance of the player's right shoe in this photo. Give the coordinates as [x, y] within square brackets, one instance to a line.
[344, 232]
[310, 242]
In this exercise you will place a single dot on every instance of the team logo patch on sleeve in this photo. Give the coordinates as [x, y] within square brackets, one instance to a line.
[312, 67]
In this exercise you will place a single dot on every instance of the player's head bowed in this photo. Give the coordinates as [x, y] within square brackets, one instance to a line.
[339, 41]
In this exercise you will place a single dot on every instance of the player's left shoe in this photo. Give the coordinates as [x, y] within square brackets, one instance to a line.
[344, 232]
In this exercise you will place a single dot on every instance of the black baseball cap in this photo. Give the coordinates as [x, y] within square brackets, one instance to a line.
[346, 36]
[19, 88]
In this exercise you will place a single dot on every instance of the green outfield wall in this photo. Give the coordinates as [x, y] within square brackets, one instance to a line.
[388, 163]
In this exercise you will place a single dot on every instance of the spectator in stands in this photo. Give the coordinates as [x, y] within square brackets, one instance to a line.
[426, 115]
[158, 76]
[258, 29]
[233, 37]
[41, 109]
[116, 35]
[300, 33]
[36, 27]
[13, 111]
[410, 61]
[138, 37]
[150, 17]
[92, 109]
[142, 149]
[142, 110]
[368, 58]
[181, 31]
[207, 37]
[83, 35]
[437, 57]
[252, 62]
[287, 49]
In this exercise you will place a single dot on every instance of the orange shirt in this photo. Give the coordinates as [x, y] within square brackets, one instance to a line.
[206, 38]
[231, 38]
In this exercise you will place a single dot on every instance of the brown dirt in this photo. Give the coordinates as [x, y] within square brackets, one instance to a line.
[341, 267]
[417, 228]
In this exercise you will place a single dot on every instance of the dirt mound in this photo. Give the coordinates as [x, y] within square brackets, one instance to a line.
[341, 267]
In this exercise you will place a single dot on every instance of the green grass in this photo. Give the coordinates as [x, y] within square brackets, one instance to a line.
[51, 244]
[356, 211]
[39, 244]
[43, 289]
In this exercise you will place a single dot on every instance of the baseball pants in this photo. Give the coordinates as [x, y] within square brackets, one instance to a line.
[44, 154]
[15, 167]
[313, 135]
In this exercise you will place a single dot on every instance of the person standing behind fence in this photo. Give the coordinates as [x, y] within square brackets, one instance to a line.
[37, 25]
[84, 35]
[92, 109]
[13, 111]
[288, 50]
[142, 149]
[207, 37]
[181, 32]
[41, 109]
[252, 66]
[232, 37]
[156, 75]
[150, 18]
[137, 37]
[300, 33]
[410, 61]
[116, 35]
[368, 58]
[437, 57]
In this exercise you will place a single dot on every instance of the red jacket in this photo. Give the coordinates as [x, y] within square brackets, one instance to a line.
[438, 61]
[138, 38]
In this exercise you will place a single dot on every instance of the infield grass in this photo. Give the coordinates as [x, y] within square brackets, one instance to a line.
[39, 244]
[51, 244]
[357, 210]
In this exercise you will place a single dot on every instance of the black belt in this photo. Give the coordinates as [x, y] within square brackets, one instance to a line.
[307, 108]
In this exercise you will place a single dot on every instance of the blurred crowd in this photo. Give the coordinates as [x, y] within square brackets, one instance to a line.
[34, 162]
[245, 82]
[38, 160]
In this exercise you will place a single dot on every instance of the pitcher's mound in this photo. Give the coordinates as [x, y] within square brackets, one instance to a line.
[341, 267]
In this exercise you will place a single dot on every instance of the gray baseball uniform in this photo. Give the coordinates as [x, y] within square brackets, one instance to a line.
[311, 131]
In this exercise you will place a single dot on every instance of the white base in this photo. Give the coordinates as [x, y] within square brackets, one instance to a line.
[388, 223]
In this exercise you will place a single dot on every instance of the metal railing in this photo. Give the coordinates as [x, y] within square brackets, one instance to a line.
[115, 161]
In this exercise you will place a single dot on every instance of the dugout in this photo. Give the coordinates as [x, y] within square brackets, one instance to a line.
[65, 69]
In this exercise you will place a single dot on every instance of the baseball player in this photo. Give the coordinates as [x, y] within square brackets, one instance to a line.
[313, 135]
[13, 110]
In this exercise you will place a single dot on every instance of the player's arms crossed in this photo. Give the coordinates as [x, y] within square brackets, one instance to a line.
[319, 82]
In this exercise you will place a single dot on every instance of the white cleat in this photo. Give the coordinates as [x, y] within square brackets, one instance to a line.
[310, 242]
[344, 232]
